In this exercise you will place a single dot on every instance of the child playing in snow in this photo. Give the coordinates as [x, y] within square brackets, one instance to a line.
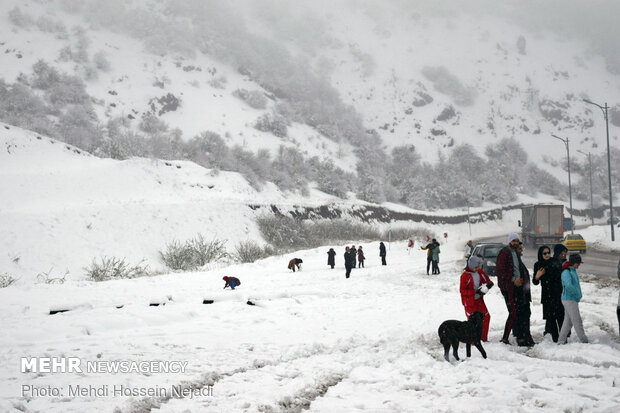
[231, 282]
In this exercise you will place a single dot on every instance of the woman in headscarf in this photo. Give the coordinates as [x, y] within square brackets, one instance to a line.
[475, 283]
[548, 273]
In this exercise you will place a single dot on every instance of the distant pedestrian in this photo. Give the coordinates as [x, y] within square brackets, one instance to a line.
[382, 253]
[331, 258]
[571, 295]
[360, 257]
[231, 282]
[295, 262]
[435, 257]
[354, 256]
[475, 283]
[470, 247]
[429, 254]
[347, 262]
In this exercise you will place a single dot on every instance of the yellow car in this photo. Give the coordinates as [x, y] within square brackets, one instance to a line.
[575, 242]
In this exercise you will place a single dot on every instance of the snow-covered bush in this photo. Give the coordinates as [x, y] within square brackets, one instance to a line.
[178, 256]
[273, 123]
[218, 82]
[403, 233]
[101, 61]
[6, 280]
[47, 278]
[152, 124]
[193, 253]
[205, 251]
[114, 268]
[331, 179]
[254, 98]
[20, 19]
[250, 251]
[286, 233]
[446, 82]
[48, 25]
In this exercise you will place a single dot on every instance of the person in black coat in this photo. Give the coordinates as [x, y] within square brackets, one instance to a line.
[354, 256]
[548, 273]
[348, 263]
[331, 258]
[382, 253]
[429, 255]
[522, 298]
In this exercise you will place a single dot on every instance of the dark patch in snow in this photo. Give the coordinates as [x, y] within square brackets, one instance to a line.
[164, 104]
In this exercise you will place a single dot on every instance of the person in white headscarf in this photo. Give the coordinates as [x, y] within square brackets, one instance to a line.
[475, 283]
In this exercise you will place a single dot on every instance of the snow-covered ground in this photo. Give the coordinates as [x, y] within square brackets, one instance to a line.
[313, 340]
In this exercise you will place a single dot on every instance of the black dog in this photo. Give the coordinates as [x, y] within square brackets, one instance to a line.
[452, 331]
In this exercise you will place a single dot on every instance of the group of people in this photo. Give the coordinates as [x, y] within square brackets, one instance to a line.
[560, 294]
[432, 256]
[354, 257]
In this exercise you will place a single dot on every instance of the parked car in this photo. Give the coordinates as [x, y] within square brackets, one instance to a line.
[488, 252]
[574, 242]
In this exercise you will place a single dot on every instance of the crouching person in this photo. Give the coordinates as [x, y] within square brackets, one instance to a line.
[474, 285]
[231, 282]
[295, 262]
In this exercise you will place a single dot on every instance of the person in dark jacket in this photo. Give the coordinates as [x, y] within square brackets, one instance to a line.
[548, 273]
[231, 282]
[354, 256]
[295, 262]
[508, 277]
[360, 257]
[347, 262]
[331, 258]
[429, 254]
[435, 258]
[523, 298]
[382, 253]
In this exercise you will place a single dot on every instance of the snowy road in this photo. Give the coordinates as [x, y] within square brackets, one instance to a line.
[314, 341]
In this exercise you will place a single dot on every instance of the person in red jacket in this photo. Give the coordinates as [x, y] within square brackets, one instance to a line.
[231, 282]
[475, 283]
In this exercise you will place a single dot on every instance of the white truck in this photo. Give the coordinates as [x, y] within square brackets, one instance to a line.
[542, 224]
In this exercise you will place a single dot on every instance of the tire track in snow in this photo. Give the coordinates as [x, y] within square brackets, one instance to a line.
[147, 404]
[345, 354]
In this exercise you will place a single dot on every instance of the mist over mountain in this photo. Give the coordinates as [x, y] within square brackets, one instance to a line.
[429, 104]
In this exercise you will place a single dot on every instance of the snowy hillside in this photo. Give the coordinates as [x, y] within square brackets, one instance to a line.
[62, 207]
[430, 76]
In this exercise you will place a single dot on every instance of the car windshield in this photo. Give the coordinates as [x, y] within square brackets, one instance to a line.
[575, 237]
[491, 252]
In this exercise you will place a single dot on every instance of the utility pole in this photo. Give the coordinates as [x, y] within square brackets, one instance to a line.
[611, 197]
[591, 197]
[570, 189]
